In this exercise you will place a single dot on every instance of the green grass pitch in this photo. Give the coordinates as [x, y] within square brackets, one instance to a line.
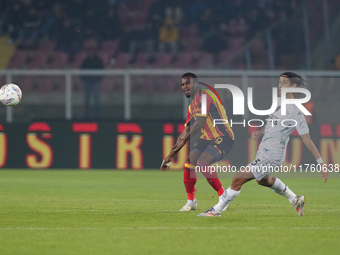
[136, 212]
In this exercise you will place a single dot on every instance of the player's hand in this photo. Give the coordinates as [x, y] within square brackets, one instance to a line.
[166, 164]
[324, 172]
[255, 135]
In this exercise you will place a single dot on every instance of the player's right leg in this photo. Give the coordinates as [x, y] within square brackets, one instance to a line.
[229, 194]
[250, 172]
[190, 179]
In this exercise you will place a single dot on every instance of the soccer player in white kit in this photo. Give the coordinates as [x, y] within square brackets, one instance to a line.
[272, 152]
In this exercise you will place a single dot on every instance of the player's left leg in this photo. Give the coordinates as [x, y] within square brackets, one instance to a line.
[190, 179]
[213, 152]
[276, 185]
[204, 162]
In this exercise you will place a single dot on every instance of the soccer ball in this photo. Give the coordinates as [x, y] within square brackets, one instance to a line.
[10, 94]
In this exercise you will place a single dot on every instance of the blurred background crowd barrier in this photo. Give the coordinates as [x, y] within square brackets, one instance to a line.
[145, 94]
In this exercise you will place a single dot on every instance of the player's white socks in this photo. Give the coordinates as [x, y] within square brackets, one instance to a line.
[280, 188]
[228, 196]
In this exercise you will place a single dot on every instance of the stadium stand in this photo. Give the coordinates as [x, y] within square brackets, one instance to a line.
[163, 60]
[62, 36]
[19, 59]
[60, 60]
[40, 60]
[141, 60]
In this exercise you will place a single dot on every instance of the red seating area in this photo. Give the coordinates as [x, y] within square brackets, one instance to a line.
[136, 15]
[132, 13]
[46, 57]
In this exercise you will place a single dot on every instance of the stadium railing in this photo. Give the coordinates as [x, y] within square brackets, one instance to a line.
[126, 94]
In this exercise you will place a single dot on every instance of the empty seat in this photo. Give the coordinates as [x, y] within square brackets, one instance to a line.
[39, 60]
[145, 6]
[90, 43]
[205, 61]
[59, 61]
[225, 56]
[236, 42]
[26, 84]
[163, 60]
[105, 57]
[190, 31]
[194, 44]
[140, 18]
[48, 45]
[122, 60]
[18, 59]
[110, 46]
[141, 60]
[78, 60]
[184, 59]
[46, 84]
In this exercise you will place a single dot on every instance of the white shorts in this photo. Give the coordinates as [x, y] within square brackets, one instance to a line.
[264, 165]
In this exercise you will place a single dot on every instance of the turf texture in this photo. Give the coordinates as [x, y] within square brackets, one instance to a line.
[136, 212]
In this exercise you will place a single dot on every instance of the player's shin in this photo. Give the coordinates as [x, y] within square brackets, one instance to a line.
[190, 179]
[228, 196]
[211, 176]
[280, 188]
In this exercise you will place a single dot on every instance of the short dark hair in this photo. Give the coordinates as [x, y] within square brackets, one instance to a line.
[192, 75]
[294, 78]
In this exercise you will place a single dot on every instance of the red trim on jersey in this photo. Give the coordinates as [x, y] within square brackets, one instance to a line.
[230, 132]
[188, 118]
[209, 101]
[212, 89]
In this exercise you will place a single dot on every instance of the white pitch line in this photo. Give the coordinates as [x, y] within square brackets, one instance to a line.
[159, 211]
[182, 228]
[35, 211]
[85, 210]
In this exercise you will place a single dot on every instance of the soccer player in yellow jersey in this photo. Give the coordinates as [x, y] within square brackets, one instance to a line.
[215, 142]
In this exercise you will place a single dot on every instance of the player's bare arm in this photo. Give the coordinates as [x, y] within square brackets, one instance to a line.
[182, 140]
[198, 125]
[312, 148]
[165, 164]
[257, 134]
